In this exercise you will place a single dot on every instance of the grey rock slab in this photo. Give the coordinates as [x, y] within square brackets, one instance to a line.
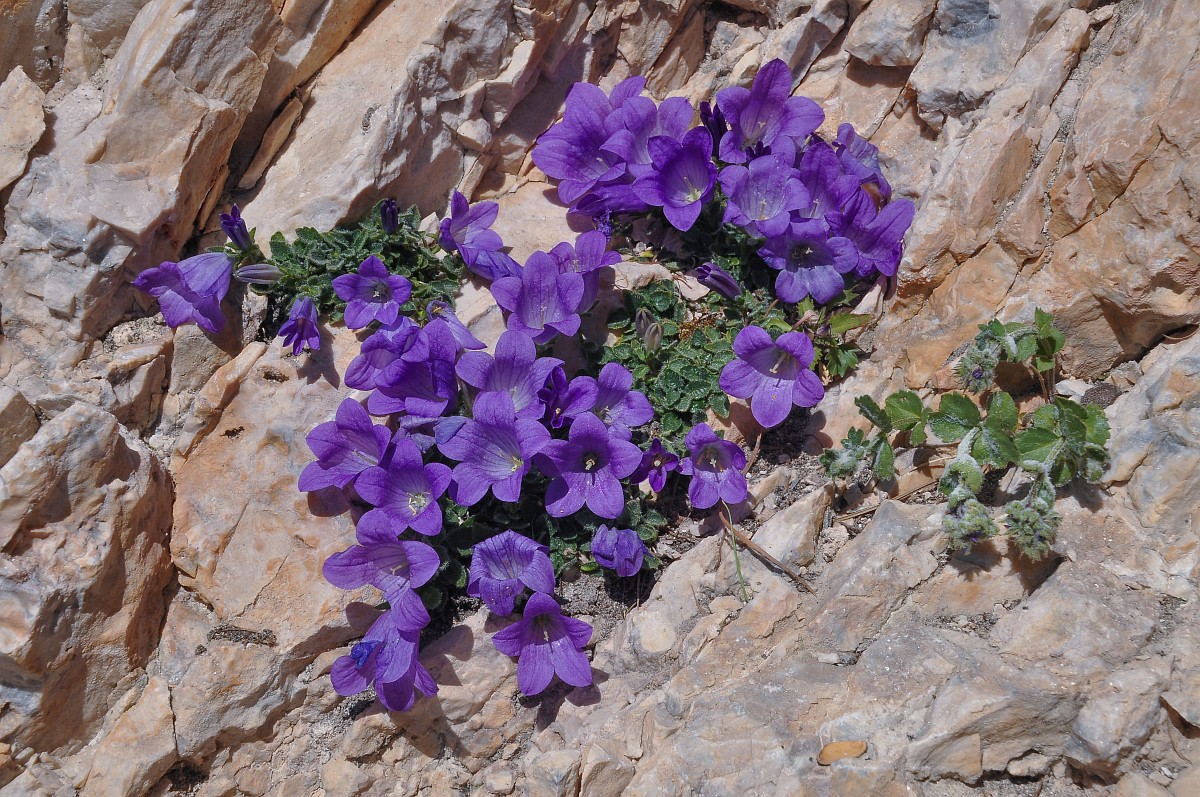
[890, 32]
[18, 422]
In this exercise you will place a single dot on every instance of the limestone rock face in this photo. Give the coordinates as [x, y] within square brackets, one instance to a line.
[85, 512]
[161, 639]
[21, 124]
[121, 188]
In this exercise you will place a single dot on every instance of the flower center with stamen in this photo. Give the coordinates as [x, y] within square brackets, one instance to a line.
[590, 463]
[516, 461]
[379, 291]
[780, 362]
[417, 502]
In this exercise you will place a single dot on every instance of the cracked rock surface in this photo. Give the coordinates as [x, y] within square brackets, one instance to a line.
[164, 628]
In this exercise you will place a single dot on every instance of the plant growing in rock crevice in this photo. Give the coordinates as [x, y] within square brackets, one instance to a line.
[1059, 441]
[520, 459]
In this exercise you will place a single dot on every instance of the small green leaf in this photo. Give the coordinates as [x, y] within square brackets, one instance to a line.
[840, 323]
[873, 413]
[994, 447]
[1038, 449]
[906, 410]
[885, 461]
[1097, 426]
[956, 416]
[1001, 413]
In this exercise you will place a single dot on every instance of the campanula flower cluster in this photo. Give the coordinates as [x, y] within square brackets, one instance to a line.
[821, 211]
[446, 422]
[445, 427]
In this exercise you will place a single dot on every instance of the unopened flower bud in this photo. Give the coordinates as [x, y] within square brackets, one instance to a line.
[642, 320]
[712, 276]
[235, 229]
[389, 216]
[653, 336]
[258, 274]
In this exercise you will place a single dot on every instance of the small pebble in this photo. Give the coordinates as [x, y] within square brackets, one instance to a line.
[828, 658]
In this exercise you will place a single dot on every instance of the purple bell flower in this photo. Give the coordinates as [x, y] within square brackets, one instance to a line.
[547, 643]
[516, 370]
[422, 382]
[494, 450]
[344, 447]
[713, 277]
[684, 178]
[587, 468]
[621, 550]
[617, 404]
[373, 294]
[656, 463]
[463, 336]
[810, 266]
[879, 238]
[386, 657]
[766, 115]
[712, 118]
[640, 120]
[382, 348]
[504, 565]
[468, 232]
[235, 230]
[832, 191]
[860, 158]
[773, 374]
[572, 151]
[258, 274]
[405, 493]
[543, 302]
[300, 329]
[715, 466]
[190, 290]
[763, 195]
[565, 399]
[396, 568]
[586, 258]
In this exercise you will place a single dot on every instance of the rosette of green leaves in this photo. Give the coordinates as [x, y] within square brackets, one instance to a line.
[309, 264]
[1014, 342]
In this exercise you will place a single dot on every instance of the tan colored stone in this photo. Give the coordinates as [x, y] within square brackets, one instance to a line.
[312, 32]
[1118, 718]
[21, 124]
[140, 748]
[968, 297]
[1137, 785]
[31, 37]
[274, 136]
[404, 114]
[84, 514]
[553, 774]
[1187, 783]
[606, 771]
[791, 534]
[836, 751]
[18, 422]
[1156, 439]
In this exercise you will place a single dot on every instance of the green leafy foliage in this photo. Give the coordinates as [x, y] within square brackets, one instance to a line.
[309, 264]
[1060, 441]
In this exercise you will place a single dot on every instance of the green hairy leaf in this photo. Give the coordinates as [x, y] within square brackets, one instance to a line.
[873, 413]
[956, 416]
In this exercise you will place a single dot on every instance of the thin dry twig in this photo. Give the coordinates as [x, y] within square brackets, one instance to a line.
[758, 551]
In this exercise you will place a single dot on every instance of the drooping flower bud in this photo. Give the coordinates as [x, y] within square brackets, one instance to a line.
[258, 274]
[642, 320]
[718, 279]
